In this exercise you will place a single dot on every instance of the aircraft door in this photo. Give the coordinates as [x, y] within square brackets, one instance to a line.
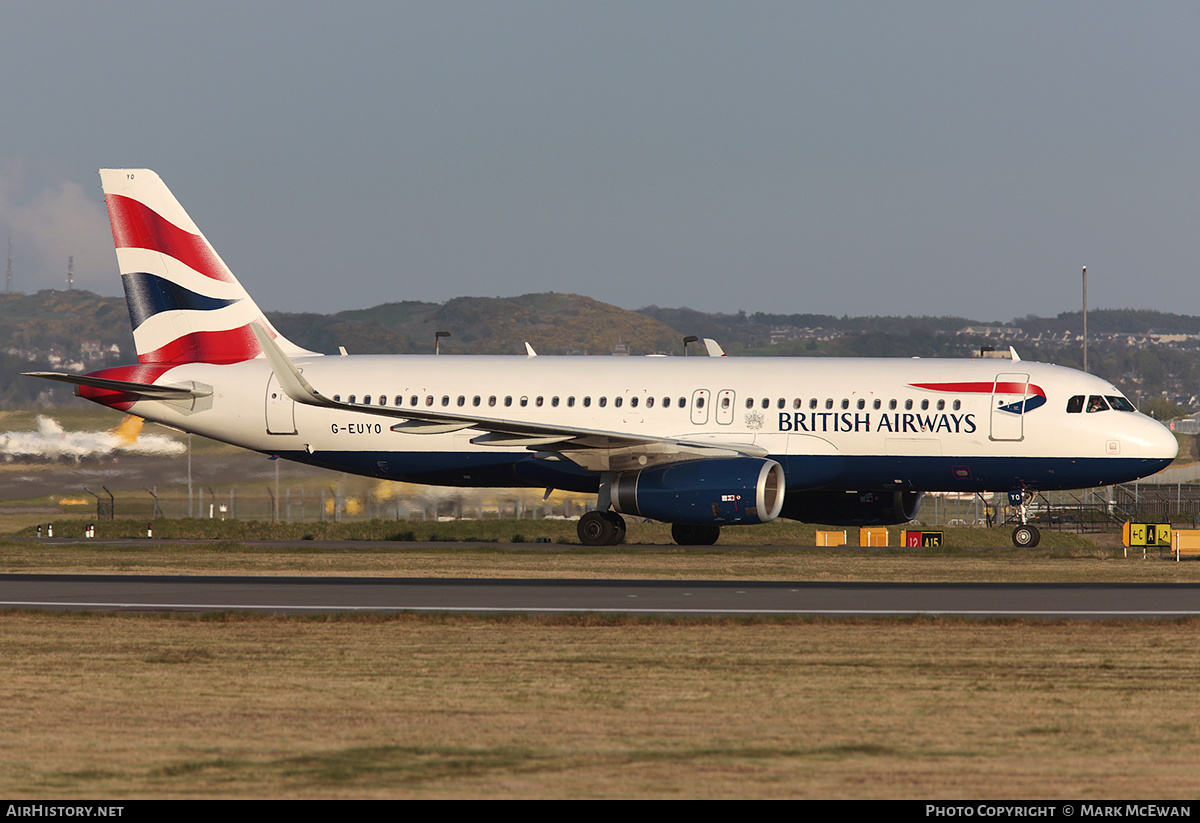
[1009, 393]
[725, 403]
[281, 409]
[700, 406]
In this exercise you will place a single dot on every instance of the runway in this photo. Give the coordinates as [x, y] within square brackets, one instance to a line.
[314, 595]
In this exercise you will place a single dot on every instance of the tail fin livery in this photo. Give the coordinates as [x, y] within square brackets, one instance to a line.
[184, 302]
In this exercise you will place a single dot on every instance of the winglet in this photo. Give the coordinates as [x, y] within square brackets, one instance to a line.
[290, 379]
[529, 349]
[714, 348]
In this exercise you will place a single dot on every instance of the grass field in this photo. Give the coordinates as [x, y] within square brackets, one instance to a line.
[421, 707]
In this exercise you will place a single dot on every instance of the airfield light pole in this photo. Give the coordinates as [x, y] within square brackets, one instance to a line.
[691, 338]
[1085, 368]
[437, 340]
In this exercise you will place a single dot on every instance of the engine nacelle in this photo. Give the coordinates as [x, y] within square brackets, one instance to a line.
[853, 508]
[722, 490]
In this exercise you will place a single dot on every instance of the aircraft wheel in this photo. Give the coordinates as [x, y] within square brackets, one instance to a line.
[597, 528]
[1026, 537]
[618, 524]
[693, 534]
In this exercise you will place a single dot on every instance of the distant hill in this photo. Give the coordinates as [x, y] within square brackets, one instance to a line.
[552, 323]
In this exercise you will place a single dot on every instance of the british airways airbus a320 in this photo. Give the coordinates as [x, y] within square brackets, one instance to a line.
[697, 442]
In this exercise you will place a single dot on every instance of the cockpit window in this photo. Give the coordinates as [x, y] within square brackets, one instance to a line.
[1120, 403]
[1096, 404]
[1075, 404]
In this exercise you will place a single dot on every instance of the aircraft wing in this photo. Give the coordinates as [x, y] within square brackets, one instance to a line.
[594, 449]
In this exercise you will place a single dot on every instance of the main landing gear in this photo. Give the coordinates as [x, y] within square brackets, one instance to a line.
[607, 528]
[693, 534]
[601, 529]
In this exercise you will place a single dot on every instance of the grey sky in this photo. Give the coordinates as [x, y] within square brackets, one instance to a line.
[836, 157]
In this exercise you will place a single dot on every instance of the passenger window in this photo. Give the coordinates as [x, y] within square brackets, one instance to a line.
[749, 402]
[649, 402]
[524, 401]
[878, 404]
[539, 401]
[908, 405]
[892, 405]
[957, 405]
[602, 402]
[796, 403]
[462, 401]
[812, 404]
[633, 402]
[683, 402]
[1075, 404]
[924, 405]
[492, 400]
[587, 401]
[445, 400]
[829, 402]
[554, 402]
[941, 405]
[862, 404]
[571, 402]
[508, 400]
[700, 402]
[845, 403]
[779, 404]
[475, 401]
[351, 398]
[429, 400]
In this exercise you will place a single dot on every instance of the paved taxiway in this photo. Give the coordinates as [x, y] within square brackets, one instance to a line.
[299, 595]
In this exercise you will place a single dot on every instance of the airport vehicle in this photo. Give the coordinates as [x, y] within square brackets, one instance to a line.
[697, 442]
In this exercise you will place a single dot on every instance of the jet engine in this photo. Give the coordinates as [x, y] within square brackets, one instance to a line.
[717, 491]
[853, 508]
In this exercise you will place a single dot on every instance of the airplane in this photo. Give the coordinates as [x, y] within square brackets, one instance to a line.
[697, 442]
[52, 442]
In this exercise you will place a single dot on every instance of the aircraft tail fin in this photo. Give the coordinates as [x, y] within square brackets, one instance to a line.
[184, 302]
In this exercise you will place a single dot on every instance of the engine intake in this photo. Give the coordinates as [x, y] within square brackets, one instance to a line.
[723, 490]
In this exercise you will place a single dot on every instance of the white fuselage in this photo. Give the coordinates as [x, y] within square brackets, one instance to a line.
[929, 425]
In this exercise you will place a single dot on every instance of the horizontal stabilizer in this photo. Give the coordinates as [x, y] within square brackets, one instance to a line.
[148, 390]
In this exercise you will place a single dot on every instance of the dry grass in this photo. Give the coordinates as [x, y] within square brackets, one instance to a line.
[119, 707]
[1083, 565]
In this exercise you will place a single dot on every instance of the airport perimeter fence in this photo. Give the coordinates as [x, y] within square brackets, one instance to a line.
[304, 506]
[1090, 511]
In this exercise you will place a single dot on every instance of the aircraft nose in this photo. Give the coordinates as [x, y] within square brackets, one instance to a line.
[1157, 441]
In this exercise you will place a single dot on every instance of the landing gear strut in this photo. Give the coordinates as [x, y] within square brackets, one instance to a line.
[601, 529]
